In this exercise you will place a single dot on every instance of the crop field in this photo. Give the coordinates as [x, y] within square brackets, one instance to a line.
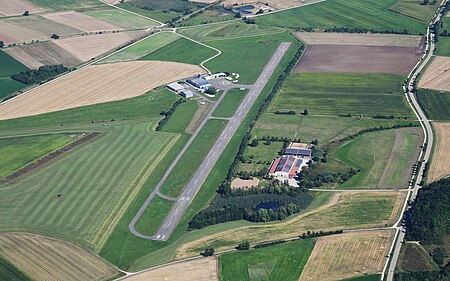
[375, 14]
[199, 269]
[311, 127]
[224, 31]
[278, 262]
[8, 86]
[358, 94]
[348, 255]
[45, 258]
[86, 48]
[192, 158]
[96, 84]
[153, 215]
[8, 67]
[46, 53]
[253, 54]
[17, 7]
[360, 39]
[437, 76]
[363, 59]
[26, 29]
[18, 152]
[230, 103]
[81, 21]
[65, 4]
[436, 104]
[10, 273]
[142, 48]
[440, 163]
[82, 195]
[154, 14]
[415, 258]
[171, 52]
[384, 158]
[343, 211]
[414, 9]
[121, 18]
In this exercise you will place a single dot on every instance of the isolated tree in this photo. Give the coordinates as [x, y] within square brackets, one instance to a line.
[26, 13]
[244, 246]
[208, 252]
[305, 112]
[55, 36]
[2, 44]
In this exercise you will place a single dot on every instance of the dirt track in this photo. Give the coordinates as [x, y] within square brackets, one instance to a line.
[440, 163]
[96, 84]
[437, 75]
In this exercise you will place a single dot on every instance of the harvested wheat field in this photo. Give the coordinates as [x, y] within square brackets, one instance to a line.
[81, 21]
[440, 163]
[348, 255]
[437, 75]
[344, 210]
[17, 7]
[96, 84]
[46, 53]
[200, 269]
[45, 258]
[359, 59]
[88, 47]
[364, 39]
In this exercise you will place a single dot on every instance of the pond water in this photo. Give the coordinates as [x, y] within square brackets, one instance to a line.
[268, 205]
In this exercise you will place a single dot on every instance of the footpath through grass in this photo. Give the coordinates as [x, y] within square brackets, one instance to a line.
[372, 14]
[278, 262]
[342, 94]
[436, 104]
[230, 103]
[18, 152]
[11, 273]
[192, 158]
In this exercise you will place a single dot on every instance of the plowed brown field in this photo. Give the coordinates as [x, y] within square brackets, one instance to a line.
[348, 255]
[81, 21]
[437, 75]
[17, 7]
[440, 163]
[200, 269]
[44, 258]
[96, 84]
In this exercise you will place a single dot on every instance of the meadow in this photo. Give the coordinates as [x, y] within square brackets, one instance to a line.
[9, 86]
[121, 18]
[9, 272]
[143, 47]
[212, 14]
[154, 14]
[414, 9]
[435, 103]
[279, 262]
[374, 14]
[230, 103]
[8, 67]
[358, 94]
[65, 4]
[194, 53]
[443, 47]
[18, 152]
[153, 216]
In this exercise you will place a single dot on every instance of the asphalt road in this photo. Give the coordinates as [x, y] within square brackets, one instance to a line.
[426, 125]
[191, 189]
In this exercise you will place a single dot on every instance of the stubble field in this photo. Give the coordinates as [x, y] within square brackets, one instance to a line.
[17, 7]
[440, 163]
[437, 75]
[348, 255]
[96, 84]
[44, 258]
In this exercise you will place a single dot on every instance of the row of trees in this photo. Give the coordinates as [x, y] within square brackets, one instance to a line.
[42, 74]
[375, 129]
[169, 113]
[364, 30]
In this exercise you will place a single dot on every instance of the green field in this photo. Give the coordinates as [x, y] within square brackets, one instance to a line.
[181, 50]
[372, 277]
[18, 152]
[262, 153]
[436, 104]
[372, 14]
[415, 9]
[153, 215]
[178, 121]
[143, 47]
[247, 56]
[66, 4]
[212, 14]
[279, 262]
[121, 18]
[8, 67]
[9, 86]
[443, 43]
[192, 158]
[230, 103]
[229, 30]
[324, 128]
[10, 273]
[154, 14]
[358, 94]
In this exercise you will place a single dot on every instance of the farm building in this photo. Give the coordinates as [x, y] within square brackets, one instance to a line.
[175, 86]
[285, 167]
[215, 76]
[299, 149]
[187, 94]
[199, 83]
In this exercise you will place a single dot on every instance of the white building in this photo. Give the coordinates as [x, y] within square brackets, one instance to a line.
[175, 86]
[215, 76]
[187, 94]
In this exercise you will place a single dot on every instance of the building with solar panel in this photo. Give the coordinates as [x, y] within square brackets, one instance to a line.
[285, 167]
[199, 83]
[299, 149]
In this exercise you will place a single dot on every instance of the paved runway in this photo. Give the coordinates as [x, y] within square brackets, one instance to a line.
[176, 213]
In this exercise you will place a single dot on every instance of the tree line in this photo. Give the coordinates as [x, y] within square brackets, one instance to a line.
[167, 114]
[41, 74]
